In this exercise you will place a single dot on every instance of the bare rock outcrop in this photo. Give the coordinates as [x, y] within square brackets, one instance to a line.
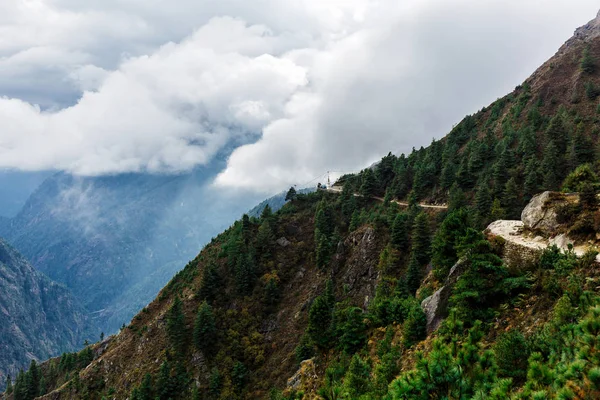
[539, 216]
[436, 305]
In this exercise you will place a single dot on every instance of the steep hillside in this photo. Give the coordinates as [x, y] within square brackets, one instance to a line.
[38, 318]
[352, 296]
[115, 241]
[275, 202]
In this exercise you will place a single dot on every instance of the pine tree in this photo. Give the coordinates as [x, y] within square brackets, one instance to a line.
[176, 326]
[550, 166]
[587, 64]
[557, 133]
[320, 318]
[532, 179]
[265, 238]
[245, 275]
[368, 188]
[510, 199]
[211, 282]
[352, 330]
[357, 379]
[239, 374]
[205, 328]
[33, 380]
[214, 383]
[165, 385]
[399, 237]
[413, 275]
[271, 293]
[483, 202]
[267, 213]
[444, 254]
[456, 198]
[421, 240]
[291, 194]
[145, 390]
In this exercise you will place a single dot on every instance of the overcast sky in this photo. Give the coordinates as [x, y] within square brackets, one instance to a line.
[107, 86]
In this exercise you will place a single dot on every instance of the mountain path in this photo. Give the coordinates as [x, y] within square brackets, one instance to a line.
[338, 190]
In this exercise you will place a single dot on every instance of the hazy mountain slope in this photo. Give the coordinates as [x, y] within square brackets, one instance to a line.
[16, 187]
[275, 202]
[115, 241]
[38, 318]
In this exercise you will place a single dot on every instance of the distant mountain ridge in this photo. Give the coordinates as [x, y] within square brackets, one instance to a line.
[38, 317]
[116, 240]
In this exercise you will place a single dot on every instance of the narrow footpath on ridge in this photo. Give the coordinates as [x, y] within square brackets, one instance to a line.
[338, 190]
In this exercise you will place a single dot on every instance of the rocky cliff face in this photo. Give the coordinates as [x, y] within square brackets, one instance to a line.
[38, 318]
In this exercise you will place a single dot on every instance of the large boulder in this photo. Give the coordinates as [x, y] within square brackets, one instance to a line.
[436, 305]
[540, 214]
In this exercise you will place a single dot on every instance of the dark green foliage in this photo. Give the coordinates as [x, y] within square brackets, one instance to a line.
[444, 254]
[400, 232]
[510, 199]
[205, 328]
[421, 239]
[271, 297]
[239, 375]
[145, 390]
[267, 213]
[591, 91]
[413, 275]
[351, 329]
[587, 197]
[9, 386]
[176, 329]
[211, 282]
[368, 188]
[166, 385]
[356, 380]
[480, 284]
[584, 174]
[215, 381]
[304, 350]
[245, 274]
[320, 319]
[587, 63]
[291, 194]
[413, 330]
[551, 167]
[512, 352]
[483, 202]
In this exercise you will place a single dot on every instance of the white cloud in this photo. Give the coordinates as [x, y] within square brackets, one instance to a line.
[132, 85]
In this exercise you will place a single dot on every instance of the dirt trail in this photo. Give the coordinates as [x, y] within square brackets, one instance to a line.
[338, 190]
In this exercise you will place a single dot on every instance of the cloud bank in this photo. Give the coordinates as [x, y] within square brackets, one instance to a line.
[296, 87]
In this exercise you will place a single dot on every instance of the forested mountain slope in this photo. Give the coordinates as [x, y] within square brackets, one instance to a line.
[38, 318]
[328, 291]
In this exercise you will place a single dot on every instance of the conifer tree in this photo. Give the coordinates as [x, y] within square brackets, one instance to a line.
[239, 375]
[271, 293]
[357, 379]
[245, 275]
[421, 240]
[320, 318]
[214, 383]
[9, 386]
[550, 166]
[483, 202]
[444, 254]
[291, 194]
[205, 328]
[497, 212]
[413, 275]
[399, 237]
[33, 380]
[532, 178]
[368, 188]
[211, 282]
[165, 384]
[557, 133]
[145, 390]
[176, 326]
[510, 199]
[456, 198]
[587, 64]
[267, 213]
